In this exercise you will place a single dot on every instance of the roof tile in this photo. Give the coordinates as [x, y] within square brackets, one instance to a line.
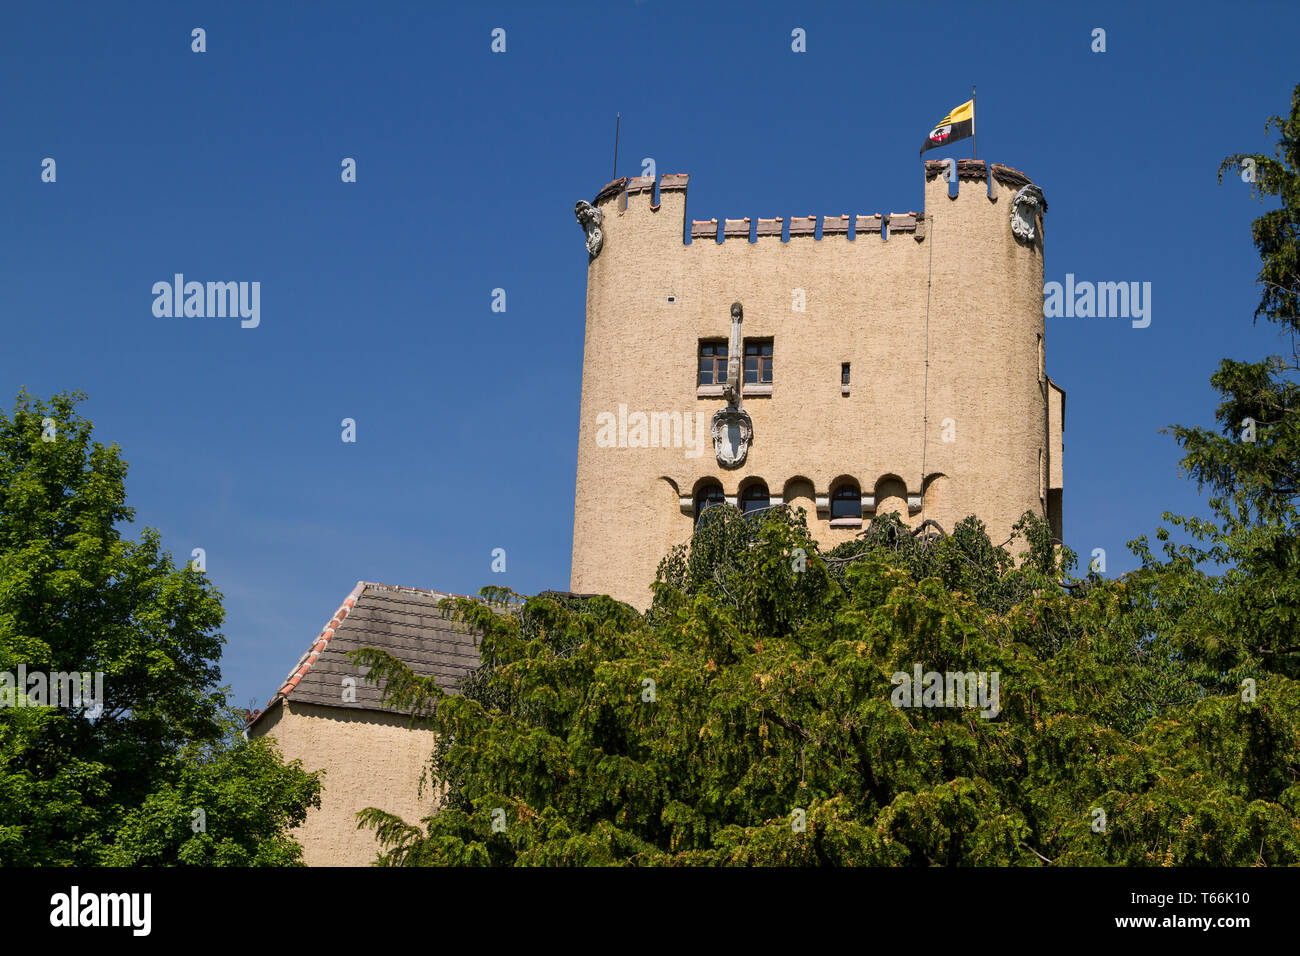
[406, 622]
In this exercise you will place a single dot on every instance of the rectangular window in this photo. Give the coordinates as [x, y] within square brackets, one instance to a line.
[758, 361]
[713, 362]
[844, 374]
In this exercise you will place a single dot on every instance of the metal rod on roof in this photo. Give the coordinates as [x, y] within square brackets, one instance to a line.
[617, 118]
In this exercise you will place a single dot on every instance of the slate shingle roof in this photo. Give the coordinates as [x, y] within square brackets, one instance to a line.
[406, 622]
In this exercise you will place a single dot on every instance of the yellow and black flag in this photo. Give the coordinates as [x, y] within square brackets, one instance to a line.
[958, 124]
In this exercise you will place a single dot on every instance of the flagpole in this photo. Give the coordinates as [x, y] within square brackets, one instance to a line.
[974, 140]
[617, 120]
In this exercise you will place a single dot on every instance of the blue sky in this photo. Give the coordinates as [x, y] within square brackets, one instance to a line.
[376, 296]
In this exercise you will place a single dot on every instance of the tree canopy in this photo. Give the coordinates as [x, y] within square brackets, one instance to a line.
[118, 778]
[769, 734]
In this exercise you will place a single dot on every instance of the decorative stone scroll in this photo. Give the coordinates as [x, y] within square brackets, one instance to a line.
[1025, 208]
[590, 219]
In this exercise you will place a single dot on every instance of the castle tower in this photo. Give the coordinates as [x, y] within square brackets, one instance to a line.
[902, 369]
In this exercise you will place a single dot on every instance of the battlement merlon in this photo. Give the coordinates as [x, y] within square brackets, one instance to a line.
[635, 198]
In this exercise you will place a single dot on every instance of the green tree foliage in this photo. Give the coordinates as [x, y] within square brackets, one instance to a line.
[76, 596]
[232, 804]
[1246, 617]
[763, 710]
[1150, 720]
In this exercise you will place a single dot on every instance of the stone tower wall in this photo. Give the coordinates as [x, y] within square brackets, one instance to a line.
[866, 303]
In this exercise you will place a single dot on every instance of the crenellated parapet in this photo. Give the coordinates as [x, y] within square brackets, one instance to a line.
[874, 223]
[835, 225]
[880, 225]
[994, 174]
[803, 226]
[638, 195]
[611, 190]
[704, 229]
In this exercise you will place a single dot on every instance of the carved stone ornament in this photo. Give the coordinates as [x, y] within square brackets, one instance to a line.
[1024, 212]
[732, 433]
[732, 428]
[590, 218]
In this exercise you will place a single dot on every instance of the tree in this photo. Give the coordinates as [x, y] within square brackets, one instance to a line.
[231, 804]
[77, 597]
[1246, 620]
[751, 717]
[1253, 463]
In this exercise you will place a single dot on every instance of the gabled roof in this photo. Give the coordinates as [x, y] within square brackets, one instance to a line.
[406, 622]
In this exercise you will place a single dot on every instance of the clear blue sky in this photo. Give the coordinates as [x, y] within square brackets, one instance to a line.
[376, 295]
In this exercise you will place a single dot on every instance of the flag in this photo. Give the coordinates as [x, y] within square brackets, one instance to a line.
[958, 124]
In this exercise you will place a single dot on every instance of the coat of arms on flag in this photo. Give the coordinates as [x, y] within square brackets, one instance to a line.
[958, 124]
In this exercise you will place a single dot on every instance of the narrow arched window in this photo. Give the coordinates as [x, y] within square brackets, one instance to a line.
[708, 496]
[846, 500]
[754, 497]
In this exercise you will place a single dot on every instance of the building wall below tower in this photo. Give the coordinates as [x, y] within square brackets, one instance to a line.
[370, 759]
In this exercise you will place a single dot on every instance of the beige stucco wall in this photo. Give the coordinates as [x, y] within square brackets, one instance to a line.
[1056, 453]
[866, 303]
[370, 759]
[1056, 421]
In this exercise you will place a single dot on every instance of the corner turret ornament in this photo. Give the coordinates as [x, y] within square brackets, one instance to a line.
[732, 429]
[1025, 208]
[590, 219]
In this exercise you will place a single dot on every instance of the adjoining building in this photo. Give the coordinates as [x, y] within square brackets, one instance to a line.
[874, 364]
[326, 714]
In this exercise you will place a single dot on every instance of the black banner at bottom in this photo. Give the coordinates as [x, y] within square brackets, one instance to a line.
[334, 906]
